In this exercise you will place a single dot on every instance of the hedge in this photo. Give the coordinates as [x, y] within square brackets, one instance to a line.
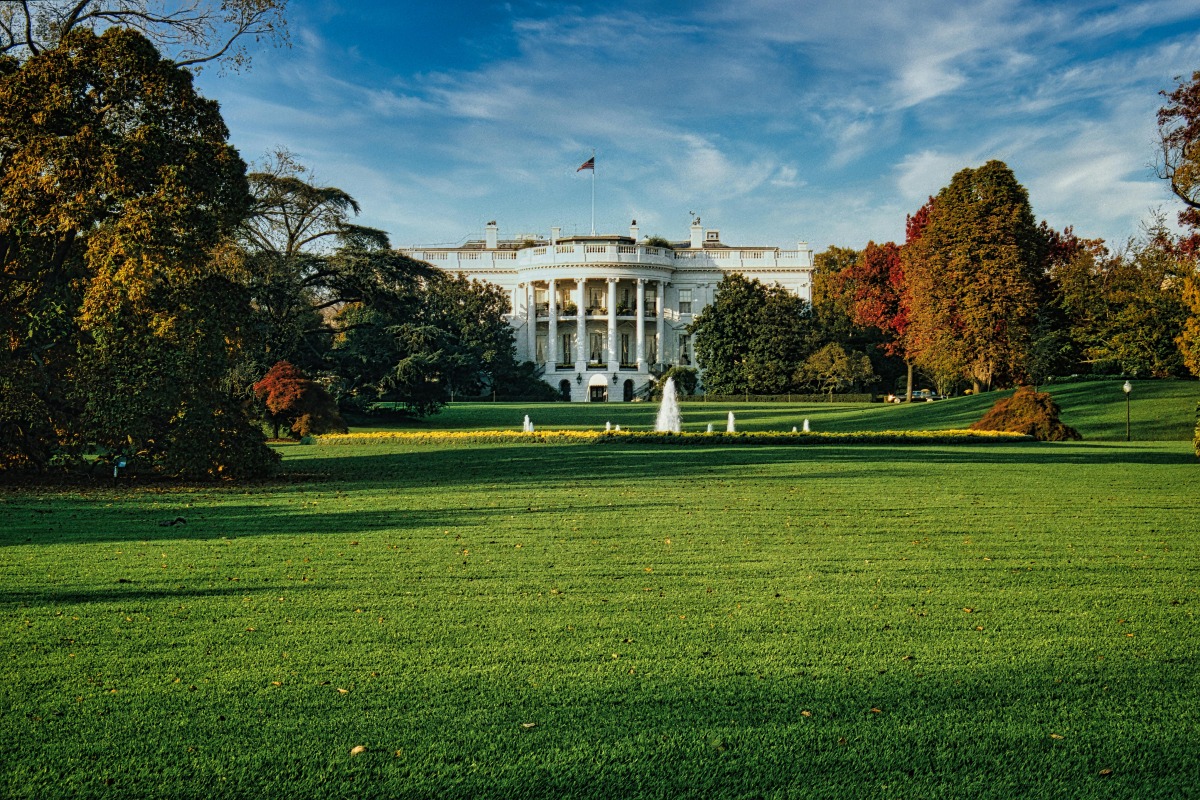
[778, 398]
[658, 437]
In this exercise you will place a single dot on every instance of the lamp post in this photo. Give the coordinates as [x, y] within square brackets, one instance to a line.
[1127, 388]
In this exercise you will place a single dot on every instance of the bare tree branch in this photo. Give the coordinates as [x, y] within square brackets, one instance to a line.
[190, 32]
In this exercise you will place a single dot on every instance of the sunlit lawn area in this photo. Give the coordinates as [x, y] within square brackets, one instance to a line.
[616, 621]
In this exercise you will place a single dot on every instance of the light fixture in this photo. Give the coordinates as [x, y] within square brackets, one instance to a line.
[579, 377]
[1127, 388]
[614, 377]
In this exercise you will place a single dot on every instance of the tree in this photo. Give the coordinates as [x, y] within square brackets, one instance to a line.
[291, 399]
[973, 274]
[197, 31]
[877, 293]
[752, 338]
[1179, 141]
[832, 368]
[1189, 338]
[1143, 312]
[450, 337]
[305, 259]
[121, 315]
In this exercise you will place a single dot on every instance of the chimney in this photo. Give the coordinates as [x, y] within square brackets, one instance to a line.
[491, 235]
[633, 231]
[555, 232]
[697, 235]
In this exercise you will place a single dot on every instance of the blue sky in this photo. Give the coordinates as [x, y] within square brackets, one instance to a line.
[775, 120]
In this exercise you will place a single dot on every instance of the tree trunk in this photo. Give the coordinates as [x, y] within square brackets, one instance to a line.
[908, 390]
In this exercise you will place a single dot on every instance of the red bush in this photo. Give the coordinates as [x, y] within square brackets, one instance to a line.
[297, 402]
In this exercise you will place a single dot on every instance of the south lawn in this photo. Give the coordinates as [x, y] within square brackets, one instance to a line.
[576, 620]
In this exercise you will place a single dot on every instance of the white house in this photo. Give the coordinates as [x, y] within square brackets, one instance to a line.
[603, 315]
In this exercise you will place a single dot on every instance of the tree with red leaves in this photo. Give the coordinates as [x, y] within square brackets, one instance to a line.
[878, 298]
[294, 400]
[1179, 133]
[1179, 137]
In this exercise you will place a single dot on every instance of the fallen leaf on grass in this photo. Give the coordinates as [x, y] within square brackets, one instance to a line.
[876, 711]
[1056, 736]
[1106, 773]
[356, 750]
[276, 683]
[528, 724]
[806, 713]
[343, 691]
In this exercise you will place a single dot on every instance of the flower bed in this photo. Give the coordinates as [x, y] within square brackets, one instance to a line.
[688, 438]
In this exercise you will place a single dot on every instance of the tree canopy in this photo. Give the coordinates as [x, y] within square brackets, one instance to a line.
[118, 192]
[972, 277]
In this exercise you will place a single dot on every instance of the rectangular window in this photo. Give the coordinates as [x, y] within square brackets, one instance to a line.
[540, 355]
[539, 296]
[625, 356]
[651, 300]
[596, 300]
[685, 301]
[597, 349]
[685, 350]
[652, 348]
[568, 348]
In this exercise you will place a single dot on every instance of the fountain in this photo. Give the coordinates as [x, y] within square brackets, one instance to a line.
[793, 429]
[710, 427]
[528, 425]
[607, 427]
[669, 420]
[806, 425]
[730, 427]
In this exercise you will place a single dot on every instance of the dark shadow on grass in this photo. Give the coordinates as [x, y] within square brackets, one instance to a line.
[123, 593]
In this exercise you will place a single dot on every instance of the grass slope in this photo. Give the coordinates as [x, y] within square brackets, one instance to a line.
[524, 621]
[1160, 411]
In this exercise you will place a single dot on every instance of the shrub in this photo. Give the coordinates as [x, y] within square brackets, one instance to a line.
[1032, 413]
[685, 382]
[292, 399]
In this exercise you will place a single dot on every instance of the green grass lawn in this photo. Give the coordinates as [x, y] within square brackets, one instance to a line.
[618, 621]
[1159, 411]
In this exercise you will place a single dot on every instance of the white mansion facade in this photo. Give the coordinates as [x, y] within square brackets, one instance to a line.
[603, 315]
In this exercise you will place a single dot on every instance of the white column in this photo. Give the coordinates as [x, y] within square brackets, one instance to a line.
[662, 332]
[581, 329]
[641, 325]
[613, 362]
[552, 338]
[531, 317]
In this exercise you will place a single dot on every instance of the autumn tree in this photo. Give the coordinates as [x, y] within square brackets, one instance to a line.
[192, 32]
[1179, 136]
[972, 277]
[877, 293]
[293, 400]
[121, 314]
[1179, 141]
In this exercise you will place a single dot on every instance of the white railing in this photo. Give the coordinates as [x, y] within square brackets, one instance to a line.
[569, 254]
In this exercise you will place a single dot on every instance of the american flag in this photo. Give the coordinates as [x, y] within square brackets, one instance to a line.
[589, 164]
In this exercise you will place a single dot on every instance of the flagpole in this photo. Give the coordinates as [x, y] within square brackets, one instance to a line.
[593, 192]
